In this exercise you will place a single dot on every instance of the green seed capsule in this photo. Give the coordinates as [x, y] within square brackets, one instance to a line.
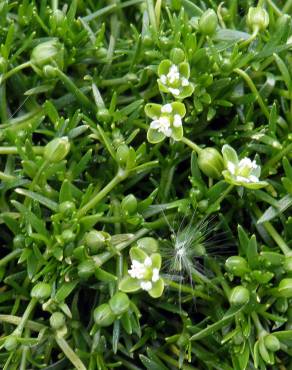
[48, 53]
[67, 208]
[208, 22]
[95, 240]
[103, 315]
[122, 154]
[57, 149]
[148, 245]
[239, 296]
[285, 288]
[211, 163]
[272, 343]
[119, 303]
[10, 343]
[68, 236]
[177, 55]
[86, 269]
[281, 304]
[237, 265]
[129, 204]
[57, 320]
[257, 18]
[41, 291]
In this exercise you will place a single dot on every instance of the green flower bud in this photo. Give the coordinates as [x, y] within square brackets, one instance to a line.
[272, 342]
[67, 208]
[119, 303]
[57, 320]
[103, 115]
[95, 240]
[285, 288]
[211, 163]
[288, 264]
[129, 204]
[48, 53]
[57, 19]
[68, 236]
[19, 241]
[257, 18]
[86, 269]
[122, 154]
[237, 265]
[281, 304]
[208, 22]
[41, 291]
[57, 149]
[103, 315]
[10, 343]
[177, 55]
[239, 296]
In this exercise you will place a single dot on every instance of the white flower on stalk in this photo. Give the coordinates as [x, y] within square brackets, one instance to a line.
[244, 172]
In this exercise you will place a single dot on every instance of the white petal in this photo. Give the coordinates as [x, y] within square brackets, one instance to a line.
[242, 179]
[253, 178]
[184, 81]
[155, 275]
[155, 124]
[148, 262]
[167, 108]
[168, 132]
[177, 120]
[146, 285]
[231, 167]
[174, 91]
[163, 79]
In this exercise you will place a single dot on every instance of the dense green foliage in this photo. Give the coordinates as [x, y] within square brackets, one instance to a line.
[146, 184]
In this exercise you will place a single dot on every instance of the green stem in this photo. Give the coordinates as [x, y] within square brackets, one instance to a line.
[3, 103]
[11, 256]
[276, 9]
[15, 320]
[251, 85]
[214, 206]
[273, 233]
[186, 289]
[5, 177]
[257, 323]
[13, 150]
[192, 145]
[71, 87]
[120, 176]
[54, 5]
[250, 39]
[18, 331]
[70, 354]
[14, 70]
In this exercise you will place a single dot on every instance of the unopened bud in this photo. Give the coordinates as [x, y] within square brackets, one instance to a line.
[119, 303]
[210, 162]
[48, 53]
[208, 22]
[41, 291]
[285, 288]
[237, 265]
[57, 320]
[272, 343]
[239, 296]
[257, 18]
[57, 149]
[103, 315]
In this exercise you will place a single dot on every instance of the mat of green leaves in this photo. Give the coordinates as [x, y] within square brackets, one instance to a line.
[145, 184]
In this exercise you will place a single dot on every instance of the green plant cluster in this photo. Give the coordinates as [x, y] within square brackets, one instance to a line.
[145, 184]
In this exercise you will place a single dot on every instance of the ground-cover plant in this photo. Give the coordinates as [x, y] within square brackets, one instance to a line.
[145, 184]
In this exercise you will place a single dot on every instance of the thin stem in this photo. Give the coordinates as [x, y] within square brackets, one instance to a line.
[275, 159]
[186, 289]
[250, 39]
[5, 177]
[18, 331]
[14, 149]
[120, 176]
[54, 5]
[9, 257]
[70, 354]
[192, 145]
[251, 85]
[213, 206]
[273, 233]
[71, 87]
[15, 70]
[15, 320]
[257, 323]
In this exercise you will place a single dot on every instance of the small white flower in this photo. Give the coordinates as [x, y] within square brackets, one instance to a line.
[137, 270]
[177, 122]
[242, 179]
[162, 124]
[174, 91]
[148, 262]
[173, 74]
[146, 285]
[247, 163]
[167, 108]
[155, 275]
